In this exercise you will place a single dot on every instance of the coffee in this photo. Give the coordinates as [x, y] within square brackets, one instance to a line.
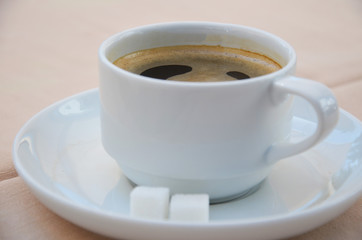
[197, 63]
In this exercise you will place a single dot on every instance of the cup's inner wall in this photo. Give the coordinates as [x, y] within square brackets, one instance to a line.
[228, 36]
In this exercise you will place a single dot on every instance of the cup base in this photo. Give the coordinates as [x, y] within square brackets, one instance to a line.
[219, 189]
[242, 194]
[219, 200]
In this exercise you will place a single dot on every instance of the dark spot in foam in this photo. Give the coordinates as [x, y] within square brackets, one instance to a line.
[166, 71]
[237, 75]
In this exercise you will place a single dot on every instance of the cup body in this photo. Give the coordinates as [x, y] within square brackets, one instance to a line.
[193, 137]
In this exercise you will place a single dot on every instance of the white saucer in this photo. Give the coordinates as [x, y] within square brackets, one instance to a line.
[59, 155]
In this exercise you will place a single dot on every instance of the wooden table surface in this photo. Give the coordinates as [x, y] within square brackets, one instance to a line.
[48, 51]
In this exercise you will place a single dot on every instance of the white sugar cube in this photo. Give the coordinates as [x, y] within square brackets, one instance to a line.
[189, 207]
[149, 202]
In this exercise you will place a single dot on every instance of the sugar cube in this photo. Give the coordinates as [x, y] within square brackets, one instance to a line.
[189, 207]
[149, 202]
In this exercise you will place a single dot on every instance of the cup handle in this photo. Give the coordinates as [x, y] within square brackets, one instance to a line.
[324, 104]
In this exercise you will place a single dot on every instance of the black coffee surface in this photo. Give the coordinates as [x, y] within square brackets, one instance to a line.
[196, 63]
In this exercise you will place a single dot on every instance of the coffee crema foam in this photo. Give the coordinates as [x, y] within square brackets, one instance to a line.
[197, 63]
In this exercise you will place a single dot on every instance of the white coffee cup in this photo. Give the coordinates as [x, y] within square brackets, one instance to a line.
[219, 138]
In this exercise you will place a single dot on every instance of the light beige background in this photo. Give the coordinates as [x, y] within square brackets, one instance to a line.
[48, 51]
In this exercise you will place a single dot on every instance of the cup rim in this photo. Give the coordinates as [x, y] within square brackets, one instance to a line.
[288, 68]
